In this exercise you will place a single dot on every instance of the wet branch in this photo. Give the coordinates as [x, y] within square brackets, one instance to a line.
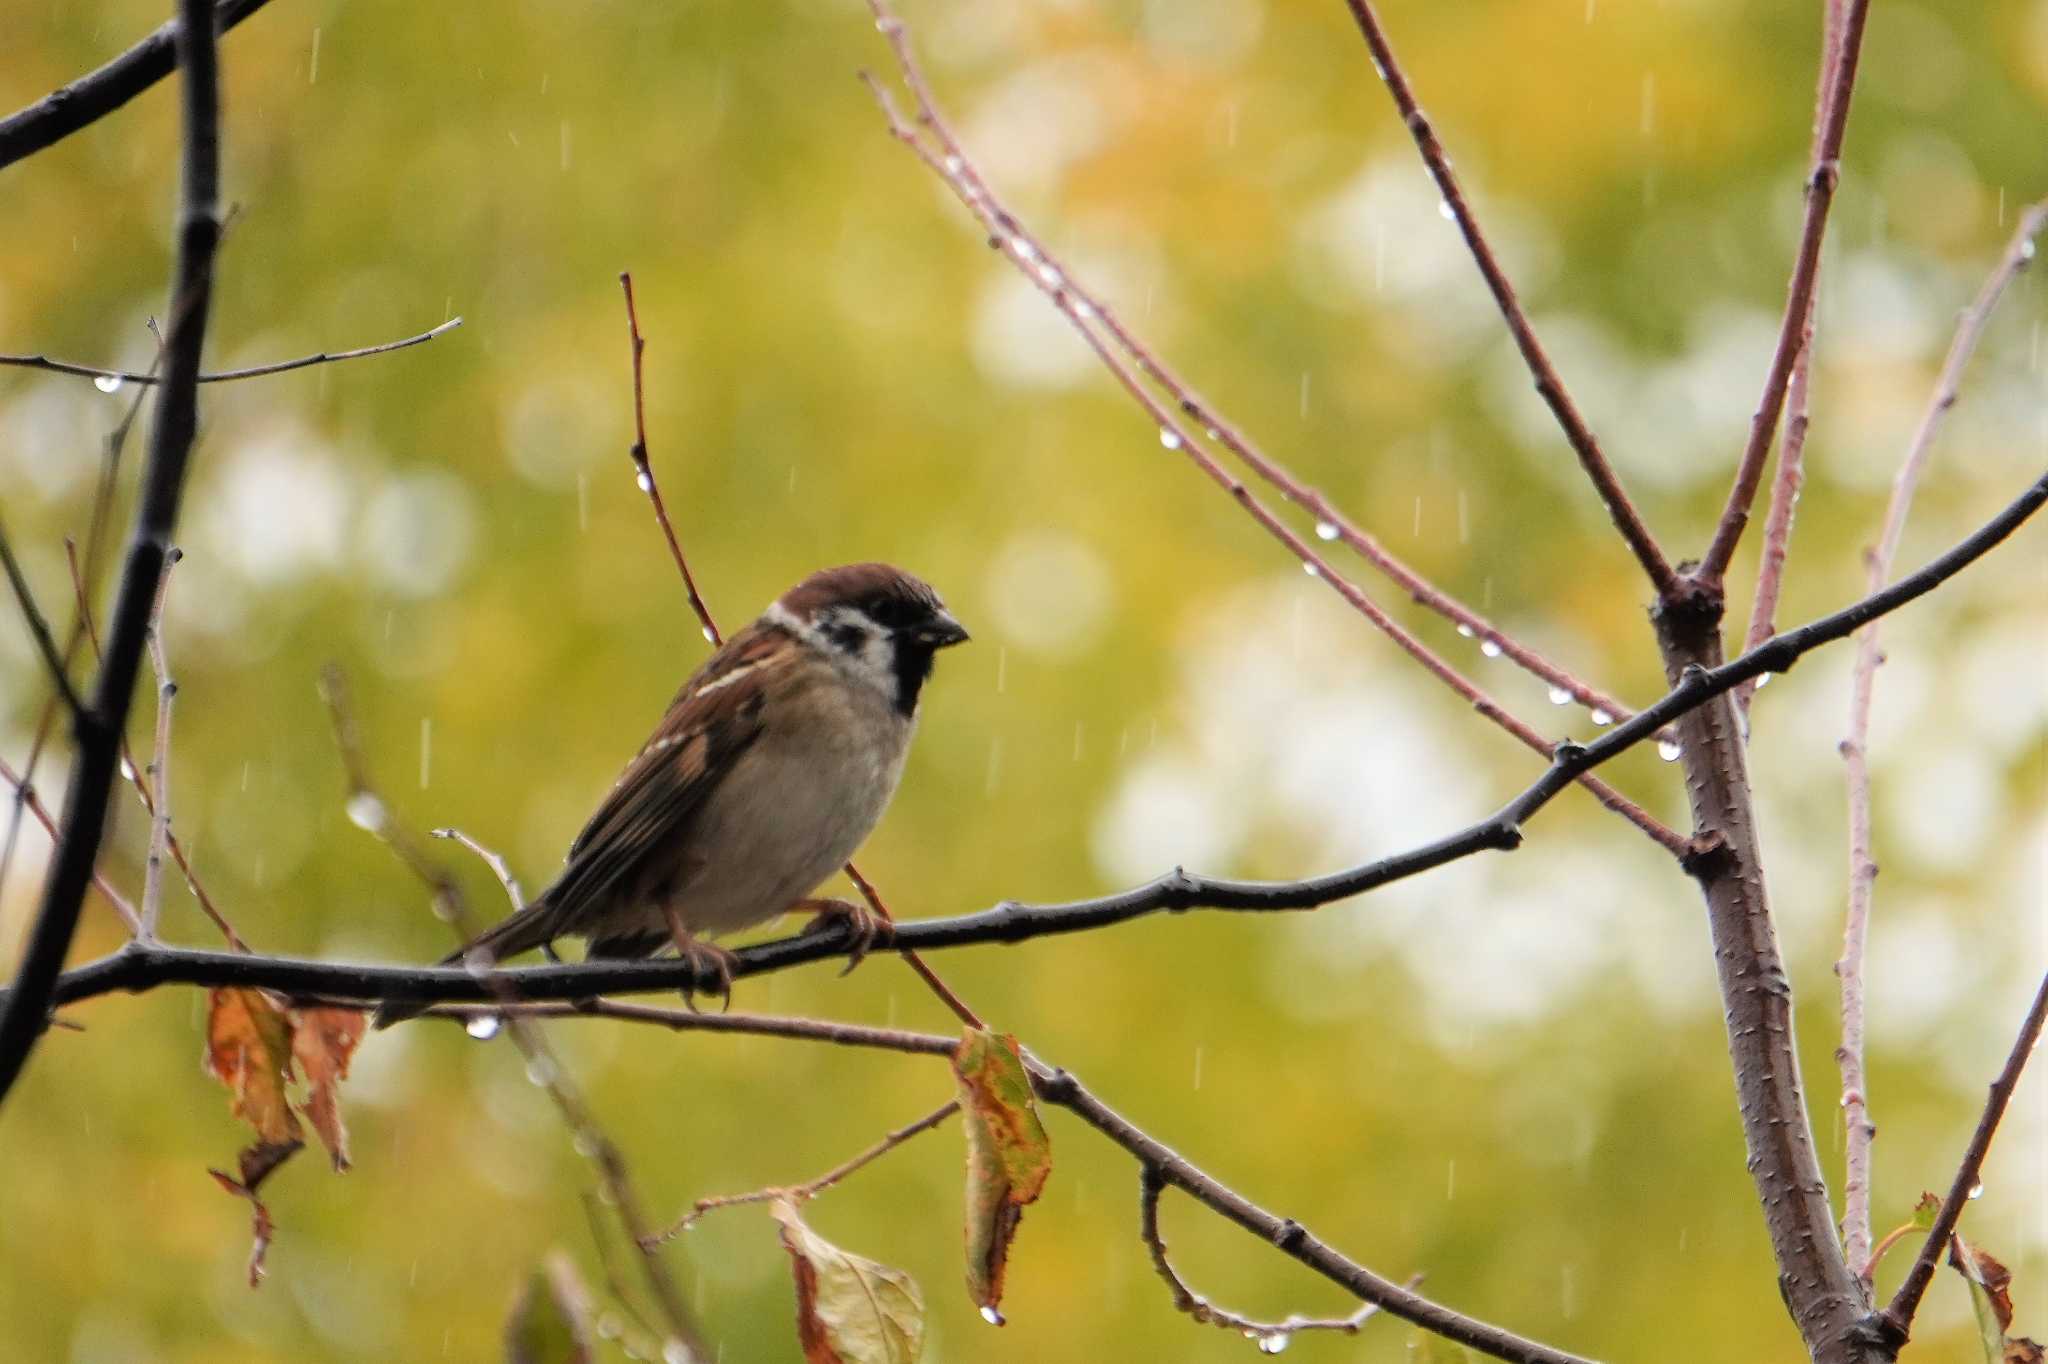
[1176, 431]
[102, 724]
[1855, 748]
[1592, 459]
[1791, 472]
[1897, 1318]
[1272, 1336]
[146, 966]
[1821, 180]
[129, 376]
[644, 476]
[368, 809]
[96, 94]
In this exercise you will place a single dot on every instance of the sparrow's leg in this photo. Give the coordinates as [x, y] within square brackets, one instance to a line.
[862, 923]
[704, 957]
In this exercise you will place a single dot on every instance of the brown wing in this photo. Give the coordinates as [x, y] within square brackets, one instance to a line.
[646, 815]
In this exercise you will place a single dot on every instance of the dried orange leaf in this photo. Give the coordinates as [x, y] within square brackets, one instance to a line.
[249, 1049]
[256, 1164]
[550, 1324]
[849, 1310]
[2024, 1350]
[323, 1040]
[1009, 1157]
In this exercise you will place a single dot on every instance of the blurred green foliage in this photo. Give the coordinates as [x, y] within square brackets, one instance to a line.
[1511, 1076]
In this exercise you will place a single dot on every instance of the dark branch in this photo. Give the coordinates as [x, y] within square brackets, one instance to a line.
[100, 728]
[1821, 179]
[1620, 509]
[1896, 1321]
[46, 644]
[142, 967]
[93, 96]
[129, 376]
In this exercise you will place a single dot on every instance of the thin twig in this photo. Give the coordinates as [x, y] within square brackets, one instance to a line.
[811, 1188]
[957, 168]
[143, 967]
[102, 505]
[1272, 1336]
[1824, 175]
[369, 808]
[140, 781]
[1592, 459]
[126, 376]
[96, 94]
[160, 763]
[500, 868]
[1052, 279]
[644, 477]
[607, 1260]
[100, 728]
[644, 472]
[1791, 472]
[1897, 1317]
[26, 798]
[1855, 748]
[54, 661]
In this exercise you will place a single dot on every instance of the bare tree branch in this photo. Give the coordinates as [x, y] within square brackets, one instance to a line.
[96, 94]
[129, 376]
[1821, 180]
[644, 476]
[1081, 309]
[1897, 1318]
[1272, 1336]
[26, 798]
[54, 660]
[811, 1188]
[160, 762]
[140, 780]
[145, 966]
[102, 724]
[1791, 473]
[1592, 459]
[544, 1068]
[1855, 748]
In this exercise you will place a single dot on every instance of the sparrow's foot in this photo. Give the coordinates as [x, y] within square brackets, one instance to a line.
[705, 959]
[863, 925]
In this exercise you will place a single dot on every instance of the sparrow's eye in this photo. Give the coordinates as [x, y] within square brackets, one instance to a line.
[892, 613]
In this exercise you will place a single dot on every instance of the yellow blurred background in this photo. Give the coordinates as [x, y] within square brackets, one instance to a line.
[1510, 1074]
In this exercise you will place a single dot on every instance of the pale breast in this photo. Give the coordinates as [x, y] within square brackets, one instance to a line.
[797, 804]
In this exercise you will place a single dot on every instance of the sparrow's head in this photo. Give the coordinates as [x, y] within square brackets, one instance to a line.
[881, 625]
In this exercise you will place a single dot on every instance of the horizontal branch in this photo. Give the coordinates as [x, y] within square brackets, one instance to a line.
[98, 93]
[145, 966]
[129, 376]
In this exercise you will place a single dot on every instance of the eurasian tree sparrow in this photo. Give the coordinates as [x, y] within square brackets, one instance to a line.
[770, 767]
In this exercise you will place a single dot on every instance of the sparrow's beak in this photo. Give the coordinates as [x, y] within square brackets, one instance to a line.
[942, 632]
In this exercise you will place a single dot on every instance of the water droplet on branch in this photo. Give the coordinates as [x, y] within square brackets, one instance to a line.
[483, 1027]
[107, 383]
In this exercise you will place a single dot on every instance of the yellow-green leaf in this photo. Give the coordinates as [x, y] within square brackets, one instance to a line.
[849, 1310]
[1009, 1157]
[1925, 1211]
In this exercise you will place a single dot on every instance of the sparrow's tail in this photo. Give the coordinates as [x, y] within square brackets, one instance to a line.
[531, 927]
